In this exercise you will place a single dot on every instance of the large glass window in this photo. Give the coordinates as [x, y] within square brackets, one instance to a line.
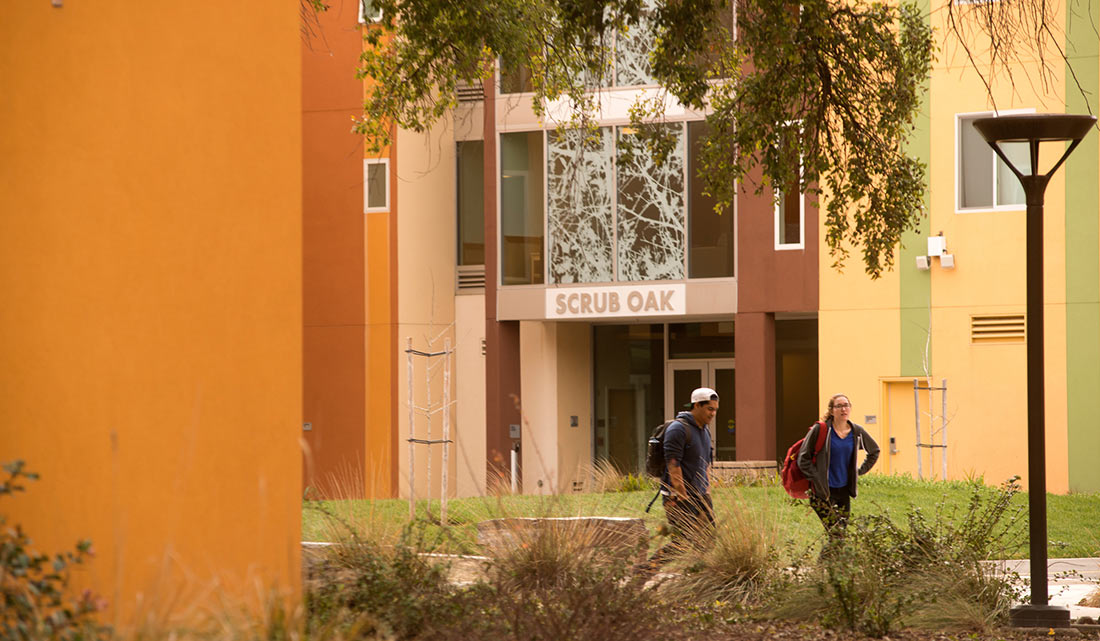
[650, 209]
[984, 181]
[710, 233]
[521, 208]
[580, 183]
[470, 155]
[629, 391]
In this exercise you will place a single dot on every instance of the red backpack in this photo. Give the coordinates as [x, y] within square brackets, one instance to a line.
[794, 481]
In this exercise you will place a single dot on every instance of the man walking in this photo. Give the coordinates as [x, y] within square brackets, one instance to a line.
[685, 484]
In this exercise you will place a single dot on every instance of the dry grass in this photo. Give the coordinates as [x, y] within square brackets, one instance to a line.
[742, 563]
[1092, 600]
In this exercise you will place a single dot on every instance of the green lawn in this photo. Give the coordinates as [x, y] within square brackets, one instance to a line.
[1073, 520]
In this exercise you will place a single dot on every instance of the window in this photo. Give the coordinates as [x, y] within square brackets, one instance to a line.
[710, 234]
[471, 202]
[367, 12]
[790, 218]
[521, 208]
[983, 181]
[376, 184]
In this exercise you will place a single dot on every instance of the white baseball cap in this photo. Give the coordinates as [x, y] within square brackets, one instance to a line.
[703, 394]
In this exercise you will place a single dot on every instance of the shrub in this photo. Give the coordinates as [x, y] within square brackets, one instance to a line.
[383, 589]
[931, 573]
[35, 599]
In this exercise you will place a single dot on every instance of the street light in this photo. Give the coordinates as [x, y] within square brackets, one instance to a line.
[1035, 129]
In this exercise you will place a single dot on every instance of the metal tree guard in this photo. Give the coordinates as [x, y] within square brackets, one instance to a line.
[1035, 129]
[428, 411]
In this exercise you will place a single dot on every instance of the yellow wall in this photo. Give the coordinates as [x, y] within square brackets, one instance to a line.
[987, 402]
[150, 261]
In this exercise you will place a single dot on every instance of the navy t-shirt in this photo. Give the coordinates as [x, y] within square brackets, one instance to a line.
[694, 457]
[841, 451]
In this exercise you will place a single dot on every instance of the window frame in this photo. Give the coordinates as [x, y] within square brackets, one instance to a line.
[363, 18]
[993, 158]
[367, 162]
[778, 209]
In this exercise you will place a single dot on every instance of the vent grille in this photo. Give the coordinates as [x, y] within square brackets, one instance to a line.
[470, 278]
[470, 93]
[1008, 328]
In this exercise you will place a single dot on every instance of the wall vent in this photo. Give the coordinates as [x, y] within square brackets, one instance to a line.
[470, 92]
[1007, 328]
[470, 279]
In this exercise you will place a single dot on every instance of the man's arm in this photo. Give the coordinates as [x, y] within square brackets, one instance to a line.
[676, 477]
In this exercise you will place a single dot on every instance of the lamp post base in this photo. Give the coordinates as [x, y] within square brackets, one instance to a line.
[1039, 616]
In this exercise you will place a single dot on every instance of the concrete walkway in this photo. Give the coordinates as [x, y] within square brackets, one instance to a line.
[1068, 581]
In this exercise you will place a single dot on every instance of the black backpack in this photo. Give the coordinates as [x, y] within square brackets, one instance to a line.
[655, 453]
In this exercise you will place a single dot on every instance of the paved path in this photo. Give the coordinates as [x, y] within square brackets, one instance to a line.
[1068, 581]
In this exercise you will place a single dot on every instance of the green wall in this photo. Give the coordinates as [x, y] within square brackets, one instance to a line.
[1083, 258]
[916, 286]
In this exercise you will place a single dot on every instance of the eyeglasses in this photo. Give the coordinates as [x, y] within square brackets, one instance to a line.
[841, 406]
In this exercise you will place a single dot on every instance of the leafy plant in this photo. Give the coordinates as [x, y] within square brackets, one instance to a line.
[927, 571]
[35, 599]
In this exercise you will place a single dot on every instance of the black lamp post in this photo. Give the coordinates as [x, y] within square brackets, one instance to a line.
[1035, 129]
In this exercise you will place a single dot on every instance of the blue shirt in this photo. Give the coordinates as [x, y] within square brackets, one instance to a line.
[694, 457]
[841, 451]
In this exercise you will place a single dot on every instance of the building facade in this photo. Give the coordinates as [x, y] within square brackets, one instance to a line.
[586, 289]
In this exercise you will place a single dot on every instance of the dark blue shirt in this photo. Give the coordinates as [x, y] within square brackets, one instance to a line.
[841, 451]
[694, 457]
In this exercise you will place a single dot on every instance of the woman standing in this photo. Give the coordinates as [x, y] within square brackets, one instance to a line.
[832, 471]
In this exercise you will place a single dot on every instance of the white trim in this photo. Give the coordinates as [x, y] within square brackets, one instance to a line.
[959, 118]
[367, 162]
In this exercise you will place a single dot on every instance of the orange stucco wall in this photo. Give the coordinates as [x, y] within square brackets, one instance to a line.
[333, 260]
[150, 272]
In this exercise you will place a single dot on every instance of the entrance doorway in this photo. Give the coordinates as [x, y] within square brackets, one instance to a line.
[683, 376]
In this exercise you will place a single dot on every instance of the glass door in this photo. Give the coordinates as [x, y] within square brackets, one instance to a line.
[683, 376]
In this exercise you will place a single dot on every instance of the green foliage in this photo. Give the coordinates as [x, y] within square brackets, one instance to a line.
[834, 88]
[35, 600]
[931, 571]
[829, 85]
[552, 585]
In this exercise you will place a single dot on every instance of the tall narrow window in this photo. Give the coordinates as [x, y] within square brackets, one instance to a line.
[470, 156]
[376, 184]
[521, 208]
[710, 234]
[984, 181]
[790, 217]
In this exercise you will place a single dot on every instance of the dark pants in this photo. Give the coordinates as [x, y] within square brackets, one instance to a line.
[692, 524]
[833, 511]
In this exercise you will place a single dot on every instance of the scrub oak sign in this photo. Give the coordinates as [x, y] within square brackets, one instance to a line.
[611, 302]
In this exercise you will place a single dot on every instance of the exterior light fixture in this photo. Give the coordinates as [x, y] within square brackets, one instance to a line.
[1033, 130]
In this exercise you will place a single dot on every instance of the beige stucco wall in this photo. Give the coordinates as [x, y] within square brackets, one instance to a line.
[426, 301]
[470, 387]
[556, 384]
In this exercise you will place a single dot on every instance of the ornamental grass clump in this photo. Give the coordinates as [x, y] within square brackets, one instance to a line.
[740, 562]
